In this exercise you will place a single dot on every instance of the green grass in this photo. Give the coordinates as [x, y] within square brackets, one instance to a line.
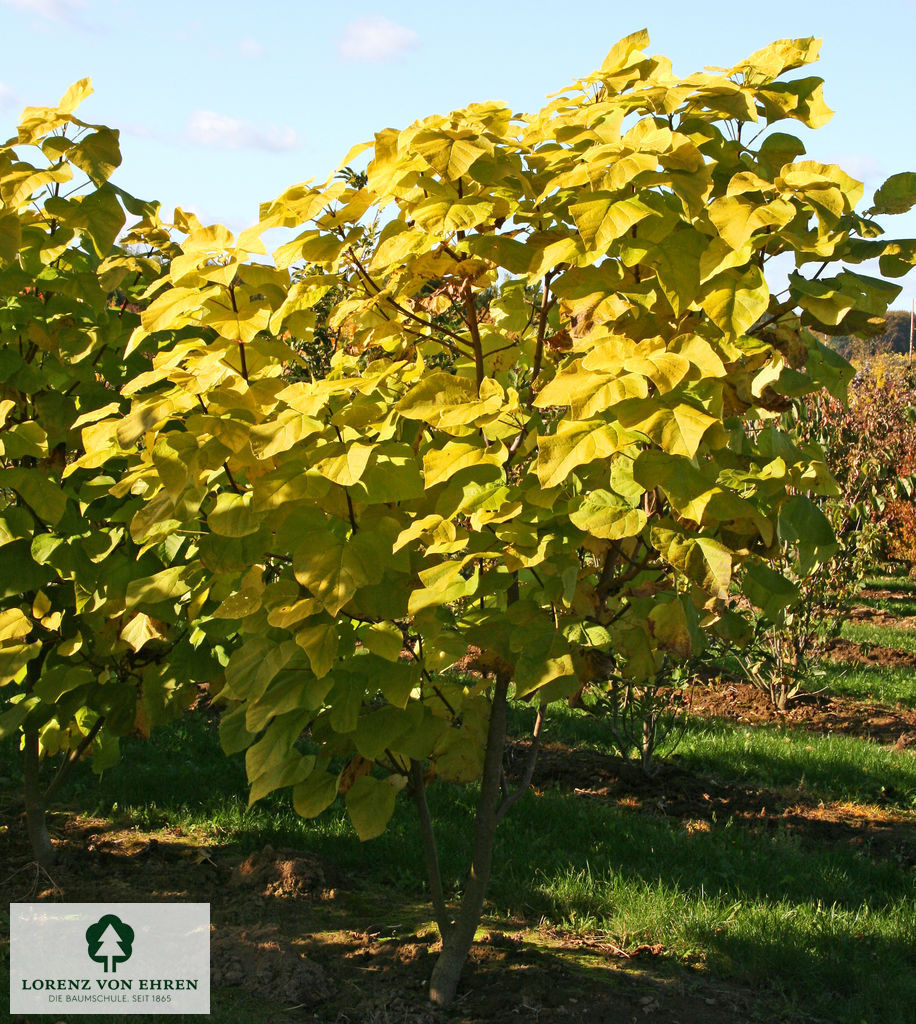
[839, 768]
[902, 606]
[804, 921]
[904, 583]
[880, 636]
[880, 684]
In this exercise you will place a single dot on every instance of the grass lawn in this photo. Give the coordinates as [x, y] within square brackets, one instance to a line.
[770, 858]
[880, 636]
[880, 683]
[752, 900]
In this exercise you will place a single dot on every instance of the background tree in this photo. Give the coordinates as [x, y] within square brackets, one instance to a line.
[550, 444]
[91, 645]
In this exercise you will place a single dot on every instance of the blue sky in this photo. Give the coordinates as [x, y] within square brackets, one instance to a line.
[221, 105]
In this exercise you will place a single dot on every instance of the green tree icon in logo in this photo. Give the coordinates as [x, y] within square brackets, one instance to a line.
[110, 941]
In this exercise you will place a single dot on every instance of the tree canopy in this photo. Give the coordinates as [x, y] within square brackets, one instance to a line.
[547, 447]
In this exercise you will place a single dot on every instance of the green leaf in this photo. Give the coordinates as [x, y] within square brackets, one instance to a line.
[383, 728]
[105, 218]
[162, 586]
[319, 642]
[676, 262]
[98, 154]
[673, 424]
[370, 803]
[440, 464]
[605, 514]
[41, 494]
[233, 515]
[384, 639]
[804, 526]
[605, 218]
[441, 584]
[333, 573]
[315, 794]
[703, 560]
[274, 747]
[768, 590]
[347, 466]
[576, 444]
[896, 195]
[444, 400]
[288, 772]
[254, 665]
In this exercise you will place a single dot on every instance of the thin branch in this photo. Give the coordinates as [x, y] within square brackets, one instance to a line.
[232, 483]
[346, 492]
[428, 677]
[350, 511]
[364, 274]
[441, 695]
[235, 309]
[530, 761]
[470, 318]
[516, 444]
[783, 307]
[72, 757]
[546, 305]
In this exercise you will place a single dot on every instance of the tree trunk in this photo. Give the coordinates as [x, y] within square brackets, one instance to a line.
[36, 819]
[456, 943]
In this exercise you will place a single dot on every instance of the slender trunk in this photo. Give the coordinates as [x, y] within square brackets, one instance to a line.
[457, 943]
[436, 892]
[36, 820]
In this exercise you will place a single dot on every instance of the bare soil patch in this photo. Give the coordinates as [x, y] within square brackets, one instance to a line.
[819, 713]
[881, 617]
[886, 594]
[870, 655]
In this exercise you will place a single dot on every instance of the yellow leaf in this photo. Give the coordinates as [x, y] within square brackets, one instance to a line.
[75, 95]
[576, 444]
[141, 629]
[439, 464]
[346, 467]
[735, 301]
[320, 644]
[14, 625]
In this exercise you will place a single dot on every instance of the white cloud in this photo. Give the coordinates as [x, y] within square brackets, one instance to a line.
[8, 97]
[208, 128]
[138, 129]
[250, 47]
[376, 38]
[64, 12]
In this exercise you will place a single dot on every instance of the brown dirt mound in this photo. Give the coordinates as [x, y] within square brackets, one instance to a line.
[266, 965]
[283, 873]
[841, 650]
[820, 713]
[882, 617]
